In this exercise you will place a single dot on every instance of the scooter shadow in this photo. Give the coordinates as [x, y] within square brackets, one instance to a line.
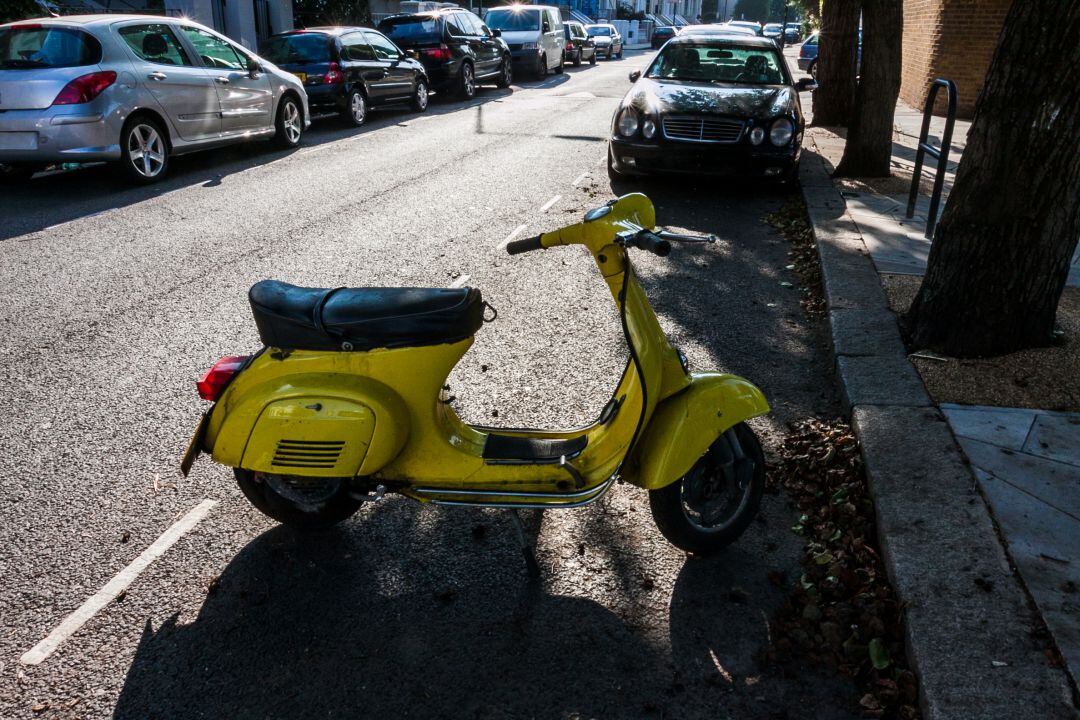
[347, 624]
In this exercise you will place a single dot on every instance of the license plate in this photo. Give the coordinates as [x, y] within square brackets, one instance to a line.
[18, 140]
[302, 76]
[195, 446]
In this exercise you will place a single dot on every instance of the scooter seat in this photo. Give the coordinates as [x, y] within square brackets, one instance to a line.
[300, 318]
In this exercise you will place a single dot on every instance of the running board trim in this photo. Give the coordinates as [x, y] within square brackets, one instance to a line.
[507, 499]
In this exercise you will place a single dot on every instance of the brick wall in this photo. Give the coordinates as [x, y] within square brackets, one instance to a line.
[953, 39]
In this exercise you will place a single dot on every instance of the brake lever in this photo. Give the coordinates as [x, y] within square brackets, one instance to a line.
[678, 237]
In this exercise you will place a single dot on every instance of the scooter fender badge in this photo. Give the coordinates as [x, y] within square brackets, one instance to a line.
[597, 213]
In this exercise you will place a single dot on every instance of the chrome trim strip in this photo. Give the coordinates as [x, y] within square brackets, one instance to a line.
[538, 500]
[700, 121]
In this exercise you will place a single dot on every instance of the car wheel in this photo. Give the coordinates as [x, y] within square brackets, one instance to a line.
[420, 96]
[355, 112]
[542, 71]
[561, 65]
[467, 83]
[289, 123]
[612, 173]
[17, 173]
[577, 58]
[813, 70]
[592, 60]
[144, 152]
[620, 53]
[506, 73]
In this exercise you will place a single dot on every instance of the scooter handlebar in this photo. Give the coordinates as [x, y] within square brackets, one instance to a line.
[524, 245]
[650, 242]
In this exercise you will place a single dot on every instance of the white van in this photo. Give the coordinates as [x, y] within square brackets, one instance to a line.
[534, 34]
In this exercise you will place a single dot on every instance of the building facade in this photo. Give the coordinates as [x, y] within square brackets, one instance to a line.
[246, 21]
[950, 39]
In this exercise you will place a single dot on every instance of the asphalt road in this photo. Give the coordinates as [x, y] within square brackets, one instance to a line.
[116, 298]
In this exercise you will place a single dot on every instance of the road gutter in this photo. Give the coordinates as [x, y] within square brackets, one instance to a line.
[968, 619]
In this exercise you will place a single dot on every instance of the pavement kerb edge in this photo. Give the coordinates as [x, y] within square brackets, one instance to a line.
[937, 534]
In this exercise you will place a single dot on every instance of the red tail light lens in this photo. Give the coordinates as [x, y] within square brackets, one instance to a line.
[85, 88]
[440, 53]
[214, 380]
[335, 75]
[569, 47]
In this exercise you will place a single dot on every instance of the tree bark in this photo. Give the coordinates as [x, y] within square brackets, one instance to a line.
[834, 98]
[868, 151]
[1001, 254]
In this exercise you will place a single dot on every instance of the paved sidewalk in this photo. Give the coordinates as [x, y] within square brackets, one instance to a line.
[1028, 465]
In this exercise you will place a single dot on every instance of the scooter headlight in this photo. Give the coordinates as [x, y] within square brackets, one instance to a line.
[648, 128]
[628, 122]
[781, 132]
[757, 136]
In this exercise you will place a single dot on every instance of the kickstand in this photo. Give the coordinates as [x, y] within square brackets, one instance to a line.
[526, 549]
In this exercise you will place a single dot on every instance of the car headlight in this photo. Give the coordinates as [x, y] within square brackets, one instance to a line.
[648, 128]
[529, 46]
[757, 136]
[628, 122]
[781, 132]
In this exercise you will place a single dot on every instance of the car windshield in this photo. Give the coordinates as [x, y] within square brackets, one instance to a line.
[513, 20]
[717, 64]
[411, 28]
[36, 46]
[305, 48]
[773, 26]
[599, 30]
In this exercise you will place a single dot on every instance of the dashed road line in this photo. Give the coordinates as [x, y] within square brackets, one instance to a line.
[580, 177]
[120, 582]
[547, 206]
[511, 236]
[459, 281]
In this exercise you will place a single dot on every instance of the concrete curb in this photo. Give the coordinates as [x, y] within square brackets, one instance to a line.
[966, 612]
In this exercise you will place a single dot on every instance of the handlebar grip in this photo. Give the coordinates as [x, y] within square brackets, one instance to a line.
[653, 243]
[524, 245]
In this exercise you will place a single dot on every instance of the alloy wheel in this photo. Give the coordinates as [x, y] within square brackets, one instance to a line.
[717, 488]
[358, 108]
[421, 96]
[291, 122]
[467, 86]
[146, 150]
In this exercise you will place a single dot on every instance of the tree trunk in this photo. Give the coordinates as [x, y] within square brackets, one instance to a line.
[834, 98]
[1001, 254]
[868, 150]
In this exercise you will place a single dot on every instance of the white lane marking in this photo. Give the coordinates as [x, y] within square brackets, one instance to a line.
[117, 585]
[459, 281]
[547, 206]
[68, 222]
[511, 236]
[580, 177]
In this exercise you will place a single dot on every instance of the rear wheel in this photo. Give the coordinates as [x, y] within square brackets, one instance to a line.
[712, 505]
[813, 70]
[355, 112]
[289, 123]
[302, 503]
[506, 73]
[592, 59]
[144, 152]
[467, 82]
[577, 58]
[420, 96]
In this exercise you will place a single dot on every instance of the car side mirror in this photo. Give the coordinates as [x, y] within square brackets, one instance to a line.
[496, 33]
[804, 84]
[635, 76]
[547, 26]
[252, 67]
[411, 53]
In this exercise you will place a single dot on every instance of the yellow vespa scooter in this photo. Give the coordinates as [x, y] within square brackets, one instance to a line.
[342, 406]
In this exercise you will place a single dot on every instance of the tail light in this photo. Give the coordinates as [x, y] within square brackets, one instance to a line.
[569, 46]
[216, 379]
[335, 75]
[85, 88]
[440, 53]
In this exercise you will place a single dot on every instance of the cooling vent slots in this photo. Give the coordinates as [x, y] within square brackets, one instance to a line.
[308, 453]
[702, 128]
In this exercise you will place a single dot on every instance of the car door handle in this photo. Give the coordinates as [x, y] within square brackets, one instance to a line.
[222, 80]
[157, 75]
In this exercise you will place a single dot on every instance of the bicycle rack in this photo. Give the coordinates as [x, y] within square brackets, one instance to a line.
[940, 154]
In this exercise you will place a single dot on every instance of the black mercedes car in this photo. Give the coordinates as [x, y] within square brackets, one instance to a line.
[721, 106]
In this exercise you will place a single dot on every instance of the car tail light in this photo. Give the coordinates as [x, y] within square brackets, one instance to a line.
[335, 75]
[26, 26]
[569, 46]
[85, 88]
[216, 379]
[440, 53]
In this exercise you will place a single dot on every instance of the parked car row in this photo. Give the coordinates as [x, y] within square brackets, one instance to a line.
[137, 90]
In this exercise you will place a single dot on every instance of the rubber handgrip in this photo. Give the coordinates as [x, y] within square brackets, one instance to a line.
[524, 245]
[653, 243]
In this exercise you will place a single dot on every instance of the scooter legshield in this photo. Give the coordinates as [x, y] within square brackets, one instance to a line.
[684, 426]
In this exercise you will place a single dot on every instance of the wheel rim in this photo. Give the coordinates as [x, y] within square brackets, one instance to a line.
[146, 150]
[291, 122]
[358, 108]
[813, 71]
[718, 488]
[507, 73]
[467, 80]
[421, 95]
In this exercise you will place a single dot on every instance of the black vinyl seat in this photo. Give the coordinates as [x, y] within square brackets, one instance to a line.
[299, 318]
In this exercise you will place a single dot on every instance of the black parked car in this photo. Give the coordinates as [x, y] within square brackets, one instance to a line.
[579, 45]
[714, 106]
[456, 47]
[347, 70]
[662, 34]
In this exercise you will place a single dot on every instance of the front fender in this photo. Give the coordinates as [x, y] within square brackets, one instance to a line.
[684, 426]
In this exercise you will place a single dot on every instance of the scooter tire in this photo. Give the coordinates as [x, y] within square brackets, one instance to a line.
[671, 517]
[339, 507]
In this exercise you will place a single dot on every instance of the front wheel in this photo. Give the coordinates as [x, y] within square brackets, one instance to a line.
[542, 71]
[707, 509]
[506, 73]
[420, 97]
[289, 123]
[561, 65]
[592, 59]
[302, 503]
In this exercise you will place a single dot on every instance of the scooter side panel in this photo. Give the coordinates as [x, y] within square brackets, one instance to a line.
[685, 425]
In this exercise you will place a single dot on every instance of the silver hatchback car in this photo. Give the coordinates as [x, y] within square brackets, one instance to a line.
[134, 89]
